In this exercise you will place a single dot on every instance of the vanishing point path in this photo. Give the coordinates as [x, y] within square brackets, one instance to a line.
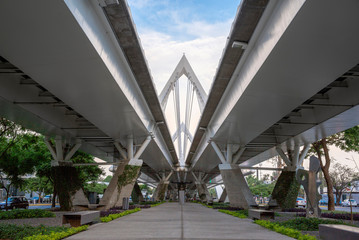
[172, 221]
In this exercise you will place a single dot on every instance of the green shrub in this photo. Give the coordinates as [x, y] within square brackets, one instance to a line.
[284, 230]
[13, 231]
[57, 235]
[118, 215]
[238, 214]
[308, 224]
[28, 213]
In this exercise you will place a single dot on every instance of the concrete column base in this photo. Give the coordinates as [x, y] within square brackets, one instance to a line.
[237, 189]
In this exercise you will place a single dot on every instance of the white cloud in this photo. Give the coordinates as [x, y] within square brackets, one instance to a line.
[163, 53]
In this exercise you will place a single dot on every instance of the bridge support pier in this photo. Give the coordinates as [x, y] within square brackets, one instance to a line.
[237, 189]
[236, 186]
[286, 189]
[137, 194]
[202, 189]
[160, 192]
[66, 179]
[223, 196]
[124, 178]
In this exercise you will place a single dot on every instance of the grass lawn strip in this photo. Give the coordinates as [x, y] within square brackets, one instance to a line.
[118, 215]
[28, 213]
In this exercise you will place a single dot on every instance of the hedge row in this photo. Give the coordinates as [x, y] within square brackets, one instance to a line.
[15, 232]
[118, 215]
[28, 213]
[57, 235]
[284, 230]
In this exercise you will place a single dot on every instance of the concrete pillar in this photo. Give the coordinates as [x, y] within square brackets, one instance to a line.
[285, 191]
[236, 185]
[203, 192]
[223, 196]
[66, 180]
[114, 195]
[287, 187]
[161, 190]
[136, 193]
[181, 197]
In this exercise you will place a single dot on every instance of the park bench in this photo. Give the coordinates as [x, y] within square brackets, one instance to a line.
[260, 214]
[77, 219]
[336, 231]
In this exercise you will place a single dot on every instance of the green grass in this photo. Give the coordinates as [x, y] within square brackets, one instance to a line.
[13, 231]
[118, 215]
[238, 214]
[26, 213]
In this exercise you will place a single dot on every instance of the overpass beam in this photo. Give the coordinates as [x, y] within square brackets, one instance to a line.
[286, 189]
[236, 186]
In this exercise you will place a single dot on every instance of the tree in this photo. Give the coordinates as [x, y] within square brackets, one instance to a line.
[40, 185]
[342, 177]
[95, 187]
[17, 160]
[321, 148]
[258, 187]
[108, 178]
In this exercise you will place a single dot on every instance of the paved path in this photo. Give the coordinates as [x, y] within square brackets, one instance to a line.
[171, 221]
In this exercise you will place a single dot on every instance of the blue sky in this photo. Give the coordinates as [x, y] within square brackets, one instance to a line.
[168, 29]
[172, 16]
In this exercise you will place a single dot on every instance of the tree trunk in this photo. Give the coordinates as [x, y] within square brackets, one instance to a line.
[7, 196]
[325, 170]
[53, 204]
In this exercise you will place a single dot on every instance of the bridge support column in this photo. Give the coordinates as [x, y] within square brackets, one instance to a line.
[124, 178]
[202, 189]
[236, 186]
[160, 192]
[66, 179]
[223, 196]
[286, 190]
[136, 193]
[237, 189]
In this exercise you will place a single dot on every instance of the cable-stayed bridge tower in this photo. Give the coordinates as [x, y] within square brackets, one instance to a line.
[193, 87]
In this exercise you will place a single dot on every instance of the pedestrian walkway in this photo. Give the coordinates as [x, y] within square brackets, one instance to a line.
[172, 221]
